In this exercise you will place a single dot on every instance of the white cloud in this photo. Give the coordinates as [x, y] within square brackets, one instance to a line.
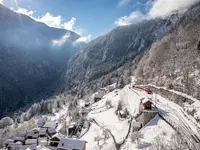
[61, 41]
[70, 24]
[157, 8]
[134, 17]
[57, 22]
[1, 1]
[162, 8]
[86, 39]
[123, 2]
[50, 20]
[24, 11]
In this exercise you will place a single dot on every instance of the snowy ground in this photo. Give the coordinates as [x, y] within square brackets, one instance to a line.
[156, 127]
[108, 118]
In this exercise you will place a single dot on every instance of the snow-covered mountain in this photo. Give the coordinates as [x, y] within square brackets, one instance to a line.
[173, 61]
[107, 53]
[32, 58]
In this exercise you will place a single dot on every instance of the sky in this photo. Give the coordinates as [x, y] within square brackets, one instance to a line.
[92, 18]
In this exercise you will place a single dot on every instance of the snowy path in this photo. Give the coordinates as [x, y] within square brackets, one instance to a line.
[131, 99]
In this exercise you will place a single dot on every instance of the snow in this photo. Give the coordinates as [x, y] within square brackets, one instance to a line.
[156, 127]
[107, 117]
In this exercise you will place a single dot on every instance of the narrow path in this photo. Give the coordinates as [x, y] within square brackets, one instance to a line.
[117, 144]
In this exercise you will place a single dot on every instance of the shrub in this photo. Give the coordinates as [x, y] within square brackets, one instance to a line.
[6, 121]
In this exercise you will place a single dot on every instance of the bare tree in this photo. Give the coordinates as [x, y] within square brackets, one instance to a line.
[97, 139]
[159, 144]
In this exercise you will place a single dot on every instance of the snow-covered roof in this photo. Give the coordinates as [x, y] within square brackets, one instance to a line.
[43, 141]
[40, 122]
[42, 131]
[144, 100]
[30, 141]
[28, 147]
[22, 133]
[50, 124]
[9, 141]
[70, 144]
[51, 130]
[19, 138]
[14, 145]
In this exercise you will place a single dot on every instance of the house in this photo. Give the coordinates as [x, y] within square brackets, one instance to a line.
[43, 141]
[145, 104]
[71, 144]
[8, 141]
[71, 129]
[33, 134]
[54, 141]
[40, 123]
[23, 134]
[28, 147]
[14, 146]
[50, 124]
[31, 142]
[51, 131]
[19, 139]
[43, 132]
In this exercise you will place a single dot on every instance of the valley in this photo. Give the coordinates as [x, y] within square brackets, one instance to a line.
[133, 87]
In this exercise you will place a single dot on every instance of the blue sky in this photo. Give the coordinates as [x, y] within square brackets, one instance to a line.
[92, 18]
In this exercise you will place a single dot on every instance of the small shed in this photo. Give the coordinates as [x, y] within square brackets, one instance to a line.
[145, 104]
[71, 144]
[40, 123]
[31, 142]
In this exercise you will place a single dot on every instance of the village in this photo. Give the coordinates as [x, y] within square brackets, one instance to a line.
[46, 136]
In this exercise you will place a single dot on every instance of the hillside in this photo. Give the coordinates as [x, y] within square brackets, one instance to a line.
[174, 61]
[30, 63]
[111, 51]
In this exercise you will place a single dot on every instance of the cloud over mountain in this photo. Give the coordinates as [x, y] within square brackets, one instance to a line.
[156, 8]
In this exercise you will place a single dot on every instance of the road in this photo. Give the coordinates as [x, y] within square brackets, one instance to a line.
[173, 114]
